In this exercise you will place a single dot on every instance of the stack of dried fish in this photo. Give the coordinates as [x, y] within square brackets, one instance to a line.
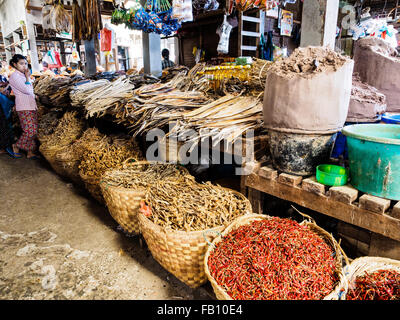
[227, 118]
[139, 80]
[96, 161]
[86, 20]
[143, 175]
[62, 18]
[113, 95]
[186, 205]
[47, 124]
[48, 84]
[108, 75]
[55, 17]
[172, 72]
[69, 128]
[90, 139]
[258, 74]
[55, 90]
[80, 92]
[192, 81]
[143, 110]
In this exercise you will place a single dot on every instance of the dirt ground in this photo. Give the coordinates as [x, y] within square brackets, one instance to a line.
[56, 242]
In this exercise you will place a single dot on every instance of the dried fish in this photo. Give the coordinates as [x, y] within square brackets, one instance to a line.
[186, 205]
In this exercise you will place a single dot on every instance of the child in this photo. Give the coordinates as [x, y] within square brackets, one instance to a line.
[26, 108]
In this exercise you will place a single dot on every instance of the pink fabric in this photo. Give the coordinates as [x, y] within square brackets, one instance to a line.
[29, 125]
[24, 95]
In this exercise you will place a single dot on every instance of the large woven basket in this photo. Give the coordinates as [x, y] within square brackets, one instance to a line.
[50, 152]
[180, 252]
[221, 294]
[123, 205]
[93, 186]
[68, 162]
[359, 266]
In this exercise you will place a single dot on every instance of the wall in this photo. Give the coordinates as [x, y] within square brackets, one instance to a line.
[11, 13]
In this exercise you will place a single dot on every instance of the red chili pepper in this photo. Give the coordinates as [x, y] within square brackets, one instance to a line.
[379, 285]
[274, 259]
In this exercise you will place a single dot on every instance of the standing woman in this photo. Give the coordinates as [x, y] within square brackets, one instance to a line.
[25, 105]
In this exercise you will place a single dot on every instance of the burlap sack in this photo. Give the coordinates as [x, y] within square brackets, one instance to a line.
[377, 65]
[309, 105]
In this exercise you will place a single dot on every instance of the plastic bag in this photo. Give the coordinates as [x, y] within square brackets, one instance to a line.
[105, 40]
[224, 32]
[49, 21]
[182, 10]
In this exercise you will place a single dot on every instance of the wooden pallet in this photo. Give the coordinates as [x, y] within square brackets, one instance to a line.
[380, 216]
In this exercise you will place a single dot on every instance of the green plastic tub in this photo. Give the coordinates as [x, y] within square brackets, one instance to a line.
[331, 175]
[374, 156]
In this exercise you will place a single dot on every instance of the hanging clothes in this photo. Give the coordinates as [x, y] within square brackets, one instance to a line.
[269, 47]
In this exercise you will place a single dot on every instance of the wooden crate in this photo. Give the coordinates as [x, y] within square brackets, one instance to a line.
[378, 217]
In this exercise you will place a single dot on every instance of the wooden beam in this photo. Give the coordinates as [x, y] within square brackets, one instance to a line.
[379, 223]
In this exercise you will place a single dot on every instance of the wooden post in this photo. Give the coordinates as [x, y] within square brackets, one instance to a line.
[152, 53]
[90, 66]
[319, 23]
[62, 53]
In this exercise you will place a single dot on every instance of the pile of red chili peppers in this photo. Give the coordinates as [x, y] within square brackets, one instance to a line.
[379, 285]
[274, 259]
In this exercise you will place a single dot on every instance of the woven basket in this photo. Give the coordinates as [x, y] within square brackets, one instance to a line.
[50, 153]
[123, 205]
[221, 294]
[93, 186]
[68, 162]
[180, 252]
[359, 266]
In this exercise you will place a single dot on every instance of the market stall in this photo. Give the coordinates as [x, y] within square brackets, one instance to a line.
[294, 107]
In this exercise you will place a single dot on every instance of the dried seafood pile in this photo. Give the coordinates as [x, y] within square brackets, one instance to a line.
[86, 20]
[139, 80]
[55, 91]
[143, 110]
[47, 124]
[90, 139]
[186, 205]
[96, 161]
[258, 74]
[69, 128]
[55, 17]
[142, 175]
[227, 118]
[192, 81]
[112, 95]
[170, 73]
[80, 92]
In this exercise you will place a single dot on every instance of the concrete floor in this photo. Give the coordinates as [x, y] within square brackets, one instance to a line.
[56, 242]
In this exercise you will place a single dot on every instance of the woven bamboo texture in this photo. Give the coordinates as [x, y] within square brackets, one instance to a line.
[68, 162]
[249, 218]
[93, 186]
[123, 205]
[359, 266]
[179, 252]
[50, 153]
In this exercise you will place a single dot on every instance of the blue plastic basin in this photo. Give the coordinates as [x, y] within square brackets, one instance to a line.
[374, 158]
[392, 118]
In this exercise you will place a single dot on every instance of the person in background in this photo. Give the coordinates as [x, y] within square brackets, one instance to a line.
[26, 107]
[6, 105]
[45, 66]
[166, 63]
